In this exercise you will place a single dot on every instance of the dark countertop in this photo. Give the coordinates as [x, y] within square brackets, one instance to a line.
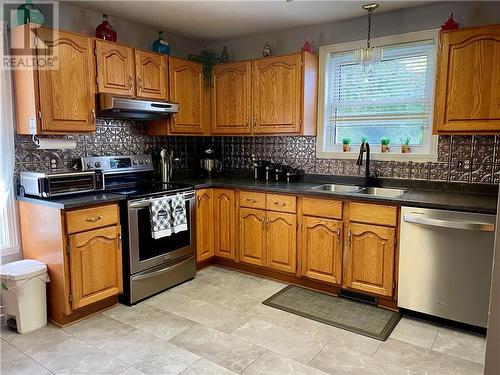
[75, 201]
[439, 199]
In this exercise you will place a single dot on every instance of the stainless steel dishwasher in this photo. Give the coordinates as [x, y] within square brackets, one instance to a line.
[445, 263]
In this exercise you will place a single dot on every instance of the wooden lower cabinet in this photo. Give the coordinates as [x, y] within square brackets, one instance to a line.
[224, 223]
[95, 259]
[84, 262]
[322, 249]
[204, 224]
[252, 236]
[369, 259]
[281, 241]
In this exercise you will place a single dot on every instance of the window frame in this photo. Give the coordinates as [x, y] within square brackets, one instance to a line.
[12, 216]
[396, 155]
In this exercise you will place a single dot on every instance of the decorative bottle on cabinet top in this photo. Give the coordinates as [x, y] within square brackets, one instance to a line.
[105, 30]
[160, 45]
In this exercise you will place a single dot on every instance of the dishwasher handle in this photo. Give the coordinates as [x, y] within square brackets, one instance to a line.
[452, 224]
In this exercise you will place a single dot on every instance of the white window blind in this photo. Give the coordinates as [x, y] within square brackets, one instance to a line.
[394, 99]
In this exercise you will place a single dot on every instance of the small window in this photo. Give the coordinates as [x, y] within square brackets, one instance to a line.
[394, 99]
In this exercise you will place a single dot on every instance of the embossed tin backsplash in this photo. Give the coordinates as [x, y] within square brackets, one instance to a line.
[469, 159]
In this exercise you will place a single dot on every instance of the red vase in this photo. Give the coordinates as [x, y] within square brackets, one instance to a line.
[105, 30]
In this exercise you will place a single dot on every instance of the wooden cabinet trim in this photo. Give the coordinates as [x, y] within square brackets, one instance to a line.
[224, 223]
[204, 224]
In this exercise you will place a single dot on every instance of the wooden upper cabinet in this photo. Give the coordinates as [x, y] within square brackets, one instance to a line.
[224, 223]
[252, 236]
[281, 241]
[277, 94]
[285, 94]
[322, 249]
[369, 259]
[66, 93]
[231, 98]
[467, 96]
[151, 75]
[204, 224]
[186, 88]
[96, 265]
[115, 68]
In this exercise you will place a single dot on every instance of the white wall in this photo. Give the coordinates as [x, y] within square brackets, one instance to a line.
[84, 21]
[426, 17]
[492, 361]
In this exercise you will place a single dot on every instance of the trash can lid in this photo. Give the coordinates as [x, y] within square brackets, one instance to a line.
[22, 269]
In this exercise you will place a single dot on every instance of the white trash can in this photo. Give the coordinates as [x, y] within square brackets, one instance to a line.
[24, 293]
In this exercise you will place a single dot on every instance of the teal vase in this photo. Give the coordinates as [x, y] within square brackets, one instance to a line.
[160, 45]
[29, 13]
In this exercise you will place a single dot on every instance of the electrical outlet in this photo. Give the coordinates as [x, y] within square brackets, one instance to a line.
[460, 165]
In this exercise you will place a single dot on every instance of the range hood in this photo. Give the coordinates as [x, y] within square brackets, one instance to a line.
[135, 109]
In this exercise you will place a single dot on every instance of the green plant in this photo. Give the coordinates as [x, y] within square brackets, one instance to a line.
[406, 141]
[346, 141]
[364, 139]
[208, 58]
[385, 141]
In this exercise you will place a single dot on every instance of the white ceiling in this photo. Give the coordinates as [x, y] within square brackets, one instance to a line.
[210, 21]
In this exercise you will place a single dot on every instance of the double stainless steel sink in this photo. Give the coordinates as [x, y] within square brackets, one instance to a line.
[374, 191]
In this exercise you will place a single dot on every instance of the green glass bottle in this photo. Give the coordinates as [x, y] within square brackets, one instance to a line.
[29, 13]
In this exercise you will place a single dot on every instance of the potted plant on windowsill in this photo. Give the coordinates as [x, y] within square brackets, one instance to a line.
[346, 144]
[384, 144]
[405, 145]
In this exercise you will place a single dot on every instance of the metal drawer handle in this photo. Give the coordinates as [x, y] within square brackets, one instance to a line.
[161, 271]
[281, 204]
[466, 225]
[94, 219]
[253, 200]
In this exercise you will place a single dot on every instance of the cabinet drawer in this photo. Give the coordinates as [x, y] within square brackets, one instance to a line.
[322, 208]
[91, 218]
[282, 203]
[373, 214]
[252, 200]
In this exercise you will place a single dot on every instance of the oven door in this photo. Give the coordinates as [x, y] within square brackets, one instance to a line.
[145, 251]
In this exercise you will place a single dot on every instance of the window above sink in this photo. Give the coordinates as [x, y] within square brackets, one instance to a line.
[393, 100]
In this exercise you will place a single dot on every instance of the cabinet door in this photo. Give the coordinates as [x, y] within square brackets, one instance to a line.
[224, 221]
[277, 94]
[231, 98]
[468, 81]
[95, 260]
[204, 224]
[369, 260]
[281, 241]
[252, 239]
[186, 88]
[115, 68]
[67, 93]
[150, 75]
[322, 249]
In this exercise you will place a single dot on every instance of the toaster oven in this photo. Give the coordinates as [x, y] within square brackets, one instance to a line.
[46, 185]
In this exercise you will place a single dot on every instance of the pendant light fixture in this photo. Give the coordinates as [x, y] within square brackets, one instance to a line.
[369, 56]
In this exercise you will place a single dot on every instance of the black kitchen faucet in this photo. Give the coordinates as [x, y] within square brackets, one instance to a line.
[365, 147]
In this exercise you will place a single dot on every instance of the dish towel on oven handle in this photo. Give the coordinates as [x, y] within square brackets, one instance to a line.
[161, 217]
[179, 214]
[168, 216]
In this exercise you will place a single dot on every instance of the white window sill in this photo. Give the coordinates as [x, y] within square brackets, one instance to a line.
[388, 156]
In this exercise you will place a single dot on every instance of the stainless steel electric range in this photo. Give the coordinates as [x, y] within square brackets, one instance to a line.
[149, 265]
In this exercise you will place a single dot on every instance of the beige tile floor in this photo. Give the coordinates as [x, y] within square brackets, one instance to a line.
[216, 324]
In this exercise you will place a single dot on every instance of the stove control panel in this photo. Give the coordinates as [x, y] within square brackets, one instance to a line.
[118, 164]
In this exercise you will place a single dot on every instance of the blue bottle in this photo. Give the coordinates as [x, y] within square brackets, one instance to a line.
[160, 45]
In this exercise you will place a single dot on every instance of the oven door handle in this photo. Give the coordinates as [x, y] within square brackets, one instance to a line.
[146, 203]
[161, 271]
